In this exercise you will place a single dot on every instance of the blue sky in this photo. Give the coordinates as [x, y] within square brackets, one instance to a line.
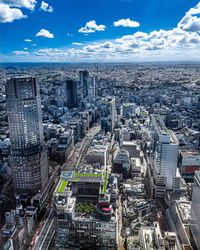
[99, 30]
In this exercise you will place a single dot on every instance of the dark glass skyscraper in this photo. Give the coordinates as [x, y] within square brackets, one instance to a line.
[28, 159]
[84, 81]
[71, 92]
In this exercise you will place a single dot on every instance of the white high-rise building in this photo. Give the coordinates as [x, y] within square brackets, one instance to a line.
[165, 156]
[28, 157]
[195, 211]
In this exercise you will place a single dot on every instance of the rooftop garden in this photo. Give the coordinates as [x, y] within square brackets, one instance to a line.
[89, 175]
[105, 182]
[103, 191]
[61, 187]
[84, 207]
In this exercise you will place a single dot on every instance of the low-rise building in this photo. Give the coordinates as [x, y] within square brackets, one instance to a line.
[189, 163]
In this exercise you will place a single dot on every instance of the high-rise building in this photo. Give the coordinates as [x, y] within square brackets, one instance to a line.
[71, 93]
[28, 159]
[165, 156]
[84, 81]
[108, 114]
[92, 87]
[195, 211]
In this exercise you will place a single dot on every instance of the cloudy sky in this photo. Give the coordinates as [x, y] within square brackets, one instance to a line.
[99, 30]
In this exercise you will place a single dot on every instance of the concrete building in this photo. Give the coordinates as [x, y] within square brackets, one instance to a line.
[151, 237]
[92, 87]
[121, 163]
[195, 211]
[85, 216]
[97, 154]
[132, 148]
[179, 215]
[28, 159]
[61, 149]
[164, 157]
[128, 109]
[189, 163]
[19, 223]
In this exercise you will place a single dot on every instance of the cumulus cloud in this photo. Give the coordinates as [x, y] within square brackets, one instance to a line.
[45, 6]
[28, 40]
[195, 10]
[7, 14]
[45, 33]
[178, 43]
[28, 4]
[9, 9]
[190, 23]
[126, 23]
[92, 27]
[75, 43]
[20, 52]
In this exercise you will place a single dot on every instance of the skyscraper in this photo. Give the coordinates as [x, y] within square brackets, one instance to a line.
[195, 211]
[28, 159]
[84, 81]
[165, 156]
[71, 93]
[108, 114]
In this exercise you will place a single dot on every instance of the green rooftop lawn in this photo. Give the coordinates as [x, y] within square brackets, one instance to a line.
[75, 179]
[105, 183]
[80, 174]
[61, 187]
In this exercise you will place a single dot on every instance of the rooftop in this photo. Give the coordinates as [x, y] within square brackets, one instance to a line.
[61, 186]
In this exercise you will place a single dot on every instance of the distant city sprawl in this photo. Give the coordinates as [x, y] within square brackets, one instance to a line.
[99, 156]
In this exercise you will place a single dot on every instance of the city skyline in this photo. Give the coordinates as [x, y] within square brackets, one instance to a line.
[117, 31]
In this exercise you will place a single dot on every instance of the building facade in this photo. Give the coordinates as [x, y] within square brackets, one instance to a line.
[28, 159]
[165, 157]
[85, 215]
[108, 114]
[195, 211]
[84, 81]
[71, 93]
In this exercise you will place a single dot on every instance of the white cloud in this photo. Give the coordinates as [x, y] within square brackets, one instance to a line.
[178, 43]
[7, 14]
[20, 52]
[45, 6]
[9, 9]
[34, 44]
[28, 4]
[75, 43]
[190, 23]
[27, 40]
[45, 33]
[92, 27]
[195, 10]
[69, 34]
[101, 47]
[126, 23]
[25, 48]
